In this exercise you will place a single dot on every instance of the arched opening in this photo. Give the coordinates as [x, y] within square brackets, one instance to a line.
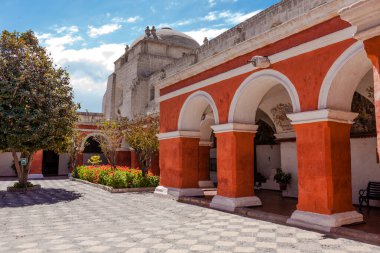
[198, 114]
[348, 87]
[264, 99]
[91, 147]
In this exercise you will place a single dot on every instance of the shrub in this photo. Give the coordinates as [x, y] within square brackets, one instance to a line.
[122, 177]
[103, 176]
[119, 179]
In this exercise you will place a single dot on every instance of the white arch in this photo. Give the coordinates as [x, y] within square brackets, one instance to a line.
[253, 89]
[82, 146]
[335, 97]
[192, 110]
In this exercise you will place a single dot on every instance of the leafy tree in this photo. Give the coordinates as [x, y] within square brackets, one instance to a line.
[74, 147]
[110, 139]
[141, 135]
[36, 101]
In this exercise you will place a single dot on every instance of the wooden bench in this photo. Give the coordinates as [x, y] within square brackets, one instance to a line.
[371, 193]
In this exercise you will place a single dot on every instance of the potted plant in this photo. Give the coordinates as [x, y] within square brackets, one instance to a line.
[259, 179]
[282, 178]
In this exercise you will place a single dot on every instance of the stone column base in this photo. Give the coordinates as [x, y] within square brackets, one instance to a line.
[175, 193]
[206, 184]
[323, 222]
[35, 176]
[229, 204]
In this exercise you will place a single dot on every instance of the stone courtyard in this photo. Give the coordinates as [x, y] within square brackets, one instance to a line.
[67, 216]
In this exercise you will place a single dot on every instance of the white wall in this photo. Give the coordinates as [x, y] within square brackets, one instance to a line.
[364, 166]
[268, 160]
[6, 161]
[63, 164]
[289, 164]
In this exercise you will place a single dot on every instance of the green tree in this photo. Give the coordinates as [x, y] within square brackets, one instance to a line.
[74, 147]
[36, 101]
[141, 135]
[110, 139]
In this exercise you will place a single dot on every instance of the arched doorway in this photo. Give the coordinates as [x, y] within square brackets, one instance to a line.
[92, 148]
[185, 153]
[262, 97]
[199, 113]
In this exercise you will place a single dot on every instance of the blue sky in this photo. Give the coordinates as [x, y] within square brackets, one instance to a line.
[87, 36]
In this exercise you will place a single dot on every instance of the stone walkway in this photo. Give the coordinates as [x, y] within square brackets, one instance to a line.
[67, 216]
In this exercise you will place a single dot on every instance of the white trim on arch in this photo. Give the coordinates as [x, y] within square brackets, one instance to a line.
[87, 137]
[268, 73]
[334, 70]
[193, 96]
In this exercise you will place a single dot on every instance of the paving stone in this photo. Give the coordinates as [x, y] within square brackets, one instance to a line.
[66, 216]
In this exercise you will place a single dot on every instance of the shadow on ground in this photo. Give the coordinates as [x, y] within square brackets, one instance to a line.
[43, 196]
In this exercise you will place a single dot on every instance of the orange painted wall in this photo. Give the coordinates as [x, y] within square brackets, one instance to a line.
[324, 167]
[134, 160]
[155, 167]
[36, 166]
[80, 159]
[327, 27]
[306, 72]
[123, 158]
[204, 163]
[179, 162]
[235, 164]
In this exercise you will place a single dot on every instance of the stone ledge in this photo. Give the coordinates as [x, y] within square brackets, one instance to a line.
[15, 189]
[176, 193]
[324, 222]
[114, 190]
[230, 204]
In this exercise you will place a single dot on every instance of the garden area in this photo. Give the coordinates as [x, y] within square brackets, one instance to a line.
[119, 177]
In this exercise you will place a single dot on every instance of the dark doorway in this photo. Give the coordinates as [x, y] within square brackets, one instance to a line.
[92, 146]
[50, 162]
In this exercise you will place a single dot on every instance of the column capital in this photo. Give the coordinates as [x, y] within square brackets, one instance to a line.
[322, 115]
[179, 134]
[235, 127]
[364, 15]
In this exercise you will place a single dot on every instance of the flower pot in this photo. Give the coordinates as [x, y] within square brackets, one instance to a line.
[283, 187]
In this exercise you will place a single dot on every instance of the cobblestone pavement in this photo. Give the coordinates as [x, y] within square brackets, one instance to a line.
[67, 216]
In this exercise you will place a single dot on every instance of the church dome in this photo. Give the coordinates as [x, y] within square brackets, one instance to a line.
[169, 35]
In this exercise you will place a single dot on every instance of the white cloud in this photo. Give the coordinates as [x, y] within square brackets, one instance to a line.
[212, 3]
[88, 67]
[128, 20]
[229, 17]
[133, 19]
[199, 35]
[70, 29]
[94, 32]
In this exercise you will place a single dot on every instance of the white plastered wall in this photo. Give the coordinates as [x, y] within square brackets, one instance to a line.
[5, 165]
[364, 166]
[268, 159]
[63, 164]
[289, 164]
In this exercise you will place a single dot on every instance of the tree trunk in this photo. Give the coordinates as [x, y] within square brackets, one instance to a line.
[17, 165]
[22, 171]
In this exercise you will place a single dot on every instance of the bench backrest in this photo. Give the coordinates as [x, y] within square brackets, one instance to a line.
[373, 190]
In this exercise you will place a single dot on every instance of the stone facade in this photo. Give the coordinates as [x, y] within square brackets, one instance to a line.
[129, 90]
